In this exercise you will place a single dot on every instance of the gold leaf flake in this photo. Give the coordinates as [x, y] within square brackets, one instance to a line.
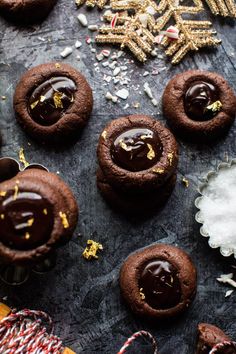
[30, 222]
[42, 98]
[104, 134]
[27, 236]
[124, 146]
[142, 295]
[170, 157]
[57, 65]
[92, 249]
[3, 193]
[151, 153]
[64, 220]
[34, 104]
[185, 182]
[215, 106]
[57, 96]
[16, 190]
[45, 211]
[22, 158]
[2, 216]
[158, 170]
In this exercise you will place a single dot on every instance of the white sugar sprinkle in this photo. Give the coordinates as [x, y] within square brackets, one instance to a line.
[123, 93]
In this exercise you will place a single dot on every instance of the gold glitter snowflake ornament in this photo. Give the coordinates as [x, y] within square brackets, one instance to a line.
[140, 25]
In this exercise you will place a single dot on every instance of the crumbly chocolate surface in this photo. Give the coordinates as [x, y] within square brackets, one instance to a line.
[73, 116]
[26, 11]
[63, 210]
[133, 293]
[183, 120]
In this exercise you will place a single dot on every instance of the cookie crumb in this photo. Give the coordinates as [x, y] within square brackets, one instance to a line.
[92, 249]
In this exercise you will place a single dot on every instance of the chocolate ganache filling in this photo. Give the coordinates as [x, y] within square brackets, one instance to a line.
[137, 149]
[51, 99]
[160, 284]
[198, 100]
[26, 219]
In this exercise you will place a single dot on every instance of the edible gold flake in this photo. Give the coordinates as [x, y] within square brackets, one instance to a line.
[42, 98]
[57, 96]
[158, 170]
[57, 65]
[92, 249]
[45, 211]
[124, 146]
[27, 236]
[215, 106]
[142, 295]
[185, 182]
[64, 220]
[151, 153]
[34, 104]
[22, 158]
[3, 193]
[30, 222]
[170, 157]
[2, 216]
[16, 190]
[104, 134]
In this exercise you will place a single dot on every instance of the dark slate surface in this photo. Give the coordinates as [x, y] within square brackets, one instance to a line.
[83, 297]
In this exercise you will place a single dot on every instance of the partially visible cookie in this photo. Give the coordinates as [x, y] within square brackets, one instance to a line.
[209, 336]
[133, 202]
[26, 11]
[38, 213]
[158, 281]
[199, 105]
[53, 102]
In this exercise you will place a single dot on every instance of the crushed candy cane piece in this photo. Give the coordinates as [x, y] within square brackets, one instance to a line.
[147, 90]
[114, 20]
[116, 71]
[88, 40]
[106, 52]
[172, 32]
[78, 44]
[99, 56]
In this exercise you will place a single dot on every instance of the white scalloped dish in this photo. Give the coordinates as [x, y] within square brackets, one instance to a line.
[217, 208]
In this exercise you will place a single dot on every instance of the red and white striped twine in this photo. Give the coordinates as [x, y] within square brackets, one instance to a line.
[24, 332]
[222, 346]
[136, 335]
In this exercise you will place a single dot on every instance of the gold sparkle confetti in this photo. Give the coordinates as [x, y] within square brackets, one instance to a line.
[2, 216]
[92, 249]
[185, 182]
[151, 153]
[57, 96]
[215, 106]
[22, 158]
[64, 220]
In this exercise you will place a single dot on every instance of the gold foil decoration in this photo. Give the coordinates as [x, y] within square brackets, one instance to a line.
[92, 249]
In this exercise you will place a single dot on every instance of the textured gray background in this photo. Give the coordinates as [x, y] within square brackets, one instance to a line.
[83, 297]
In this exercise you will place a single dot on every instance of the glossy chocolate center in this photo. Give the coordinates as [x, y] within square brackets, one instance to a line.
[51, 99]
[26, 219]
[198, 100]
[160, 284]
[137, 149]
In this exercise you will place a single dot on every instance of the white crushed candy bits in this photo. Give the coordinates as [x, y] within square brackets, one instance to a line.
[99, 56]
[78, 44]
[143, 18]
[147, 90]
[154, 102]
[227, 279]
[110, 97]
[78, 57]
[83, 20]
[146, 73]
[88, 40]
[116, 71]
[229, 293]
[66, 52]
[93, 28]
[172, 32]
[123, 94]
